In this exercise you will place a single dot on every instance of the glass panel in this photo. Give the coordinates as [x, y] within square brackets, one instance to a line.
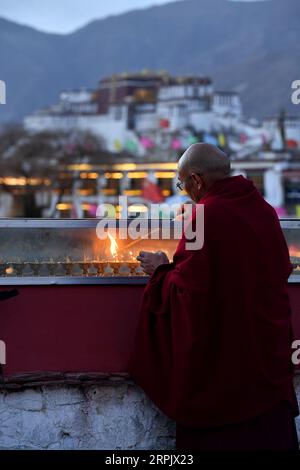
[292, 236]
[76, 251]
[71, 249]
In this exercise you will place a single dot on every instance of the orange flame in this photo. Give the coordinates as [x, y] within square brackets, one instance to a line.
[113, 245]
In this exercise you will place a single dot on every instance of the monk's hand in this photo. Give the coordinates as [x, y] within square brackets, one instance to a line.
[150, 261]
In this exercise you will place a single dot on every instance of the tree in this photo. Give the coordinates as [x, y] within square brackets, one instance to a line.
[41, 155]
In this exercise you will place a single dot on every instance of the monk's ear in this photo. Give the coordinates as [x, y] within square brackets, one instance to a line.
[197, 179]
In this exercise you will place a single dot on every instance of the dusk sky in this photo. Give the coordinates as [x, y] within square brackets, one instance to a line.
[63, 16]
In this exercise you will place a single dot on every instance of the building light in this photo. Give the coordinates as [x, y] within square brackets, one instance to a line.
[145, 166]
[125, 166]
[114, 176]
[137, 208]
[62, 206]
[132, 192]
[80, 167]
[86, 207]
[85, 192]
[34, 181]
[108, 192]
[165, 174]
[90, 176]
[137, 174]
[11, 181]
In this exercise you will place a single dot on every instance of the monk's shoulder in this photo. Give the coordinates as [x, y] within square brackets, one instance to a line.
[213, 210]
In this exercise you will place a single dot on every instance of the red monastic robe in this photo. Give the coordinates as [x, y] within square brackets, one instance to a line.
[213, 342]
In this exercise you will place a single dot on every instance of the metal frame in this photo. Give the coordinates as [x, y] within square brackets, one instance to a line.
[79, 223]
[290, 223]
[49, 223]
[76, 280]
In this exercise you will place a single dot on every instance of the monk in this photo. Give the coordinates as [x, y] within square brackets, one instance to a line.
[213, 344]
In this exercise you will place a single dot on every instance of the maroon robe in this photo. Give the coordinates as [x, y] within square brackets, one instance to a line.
[213, 342]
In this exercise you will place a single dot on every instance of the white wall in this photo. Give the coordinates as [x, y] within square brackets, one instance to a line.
[227, 104]
[101, 125]
[146, 122]
[76, 96]
[293, 130]
[171, 92]
[202, 121]
[108, 417]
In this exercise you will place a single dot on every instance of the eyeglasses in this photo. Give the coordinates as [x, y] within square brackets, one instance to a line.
[180, 184]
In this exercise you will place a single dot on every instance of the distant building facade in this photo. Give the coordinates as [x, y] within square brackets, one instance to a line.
[283, 128]
[127, 105]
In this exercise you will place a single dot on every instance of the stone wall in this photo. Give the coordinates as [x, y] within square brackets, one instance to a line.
[112, 416]
[118, 416]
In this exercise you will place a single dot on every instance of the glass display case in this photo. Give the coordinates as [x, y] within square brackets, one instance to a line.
[74, 251]
[79, 251]
[291, 230]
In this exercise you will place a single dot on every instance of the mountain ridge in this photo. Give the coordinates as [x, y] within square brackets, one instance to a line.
[250, 47]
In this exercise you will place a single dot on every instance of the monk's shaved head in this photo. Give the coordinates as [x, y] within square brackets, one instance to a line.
[206, 159]
[200, 167]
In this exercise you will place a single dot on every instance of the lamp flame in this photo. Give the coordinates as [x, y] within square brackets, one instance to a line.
[294, 251]
[113, 245]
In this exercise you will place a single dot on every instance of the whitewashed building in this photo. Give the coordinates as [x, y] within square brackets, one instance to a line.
[125, 104]
[227, 104]
[292, 130]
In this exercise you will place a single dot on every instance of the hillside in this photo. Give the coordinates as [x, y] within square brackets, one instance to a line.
[253, 48]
